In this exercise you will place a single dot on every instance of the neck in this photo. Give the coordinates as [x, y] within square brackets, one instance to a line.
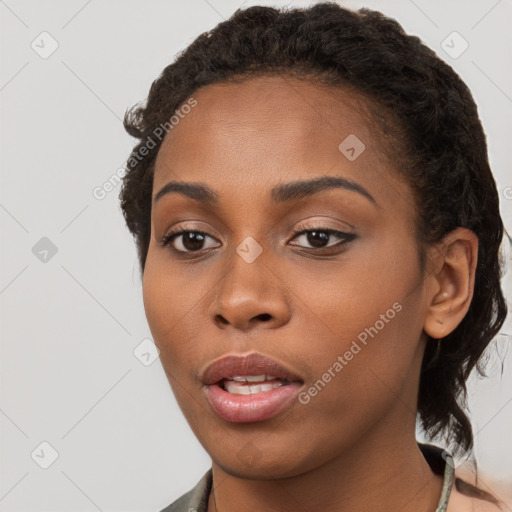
[374, 475]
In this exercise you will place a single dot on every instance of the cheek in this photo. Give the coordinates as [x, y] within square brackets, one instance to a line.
[172, 294]
[173, 321]
[361, 328]
[343, 298]
[171, 305]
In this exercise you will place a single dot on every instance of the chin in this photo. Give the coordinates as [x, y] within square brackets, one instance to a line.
[254, 466]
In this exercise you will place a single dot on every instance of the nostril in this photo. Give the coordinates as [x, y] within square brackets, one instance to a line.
[264, 316]
[222, 320]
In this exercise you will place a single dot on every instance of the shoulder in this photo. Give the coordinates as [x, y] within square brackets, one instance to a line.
[469, 496]
[195, 500]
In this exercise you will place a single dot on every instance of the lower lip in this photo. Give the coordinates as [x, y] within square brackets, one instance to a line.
[247, 408]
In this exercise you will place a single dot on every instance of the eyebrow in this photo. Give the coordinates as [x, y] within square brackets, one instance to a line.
[279, 194]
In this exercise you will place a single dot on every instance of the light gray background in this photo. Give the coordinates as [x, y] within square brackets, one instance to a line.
[68, 375]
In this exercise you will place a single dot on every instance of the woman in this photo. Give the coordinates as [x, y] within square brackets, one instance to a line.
[318, 232]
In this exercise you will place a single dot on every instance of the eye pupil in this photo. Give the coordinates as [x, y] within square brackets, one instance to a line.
[317, 238]
[192, 240]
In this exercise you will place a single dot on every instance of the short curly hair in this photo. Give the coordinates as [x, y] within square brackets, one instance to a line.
[417, 100]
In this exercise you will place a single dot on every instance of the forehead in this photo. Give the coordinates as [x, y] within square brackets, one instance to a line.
[273, 129]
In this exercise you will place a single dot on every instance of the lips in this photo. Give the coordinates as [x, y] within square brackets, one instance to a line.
[238, 398]
[248, 365]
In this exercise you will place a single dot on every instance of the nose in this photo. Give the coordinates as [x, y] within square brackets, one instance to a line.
[250, 296]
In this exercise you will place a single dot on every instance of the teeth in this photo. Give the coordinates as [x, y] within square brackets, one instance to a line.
[253, 378]
[248, 378]
[232, 387]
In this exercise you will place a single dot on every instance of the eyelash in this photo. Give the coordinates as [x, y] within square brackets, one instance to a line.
[346, 238]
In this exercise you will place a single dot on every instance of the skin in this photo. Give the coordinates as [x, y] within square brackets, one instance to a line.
[353, 446]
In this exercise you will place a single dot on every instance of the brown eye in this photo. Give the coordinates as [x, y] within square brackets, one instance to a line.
[186, 241]
[319, 238]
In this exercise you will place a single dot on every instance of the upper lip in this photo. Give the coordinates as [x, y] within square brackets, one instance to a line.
[249, 364]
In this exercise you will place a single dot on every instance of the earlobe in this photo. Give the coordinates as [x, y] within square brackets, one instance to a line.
[452, 282]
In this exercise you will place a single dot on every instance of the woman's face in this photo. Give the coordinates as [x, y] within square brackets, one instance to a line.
[343, 311]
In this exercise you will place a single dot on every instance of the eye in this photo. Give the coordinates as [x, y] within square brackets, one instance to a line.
[187, 241]
[319, 237]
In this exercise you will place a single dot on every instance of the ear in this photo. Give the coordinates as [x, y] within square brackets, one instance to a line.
[451, 281]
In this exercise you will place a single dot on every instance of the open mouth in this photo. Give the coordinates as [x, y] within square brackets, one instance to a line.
[237, 399]
[249, 387]
[251, 384]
